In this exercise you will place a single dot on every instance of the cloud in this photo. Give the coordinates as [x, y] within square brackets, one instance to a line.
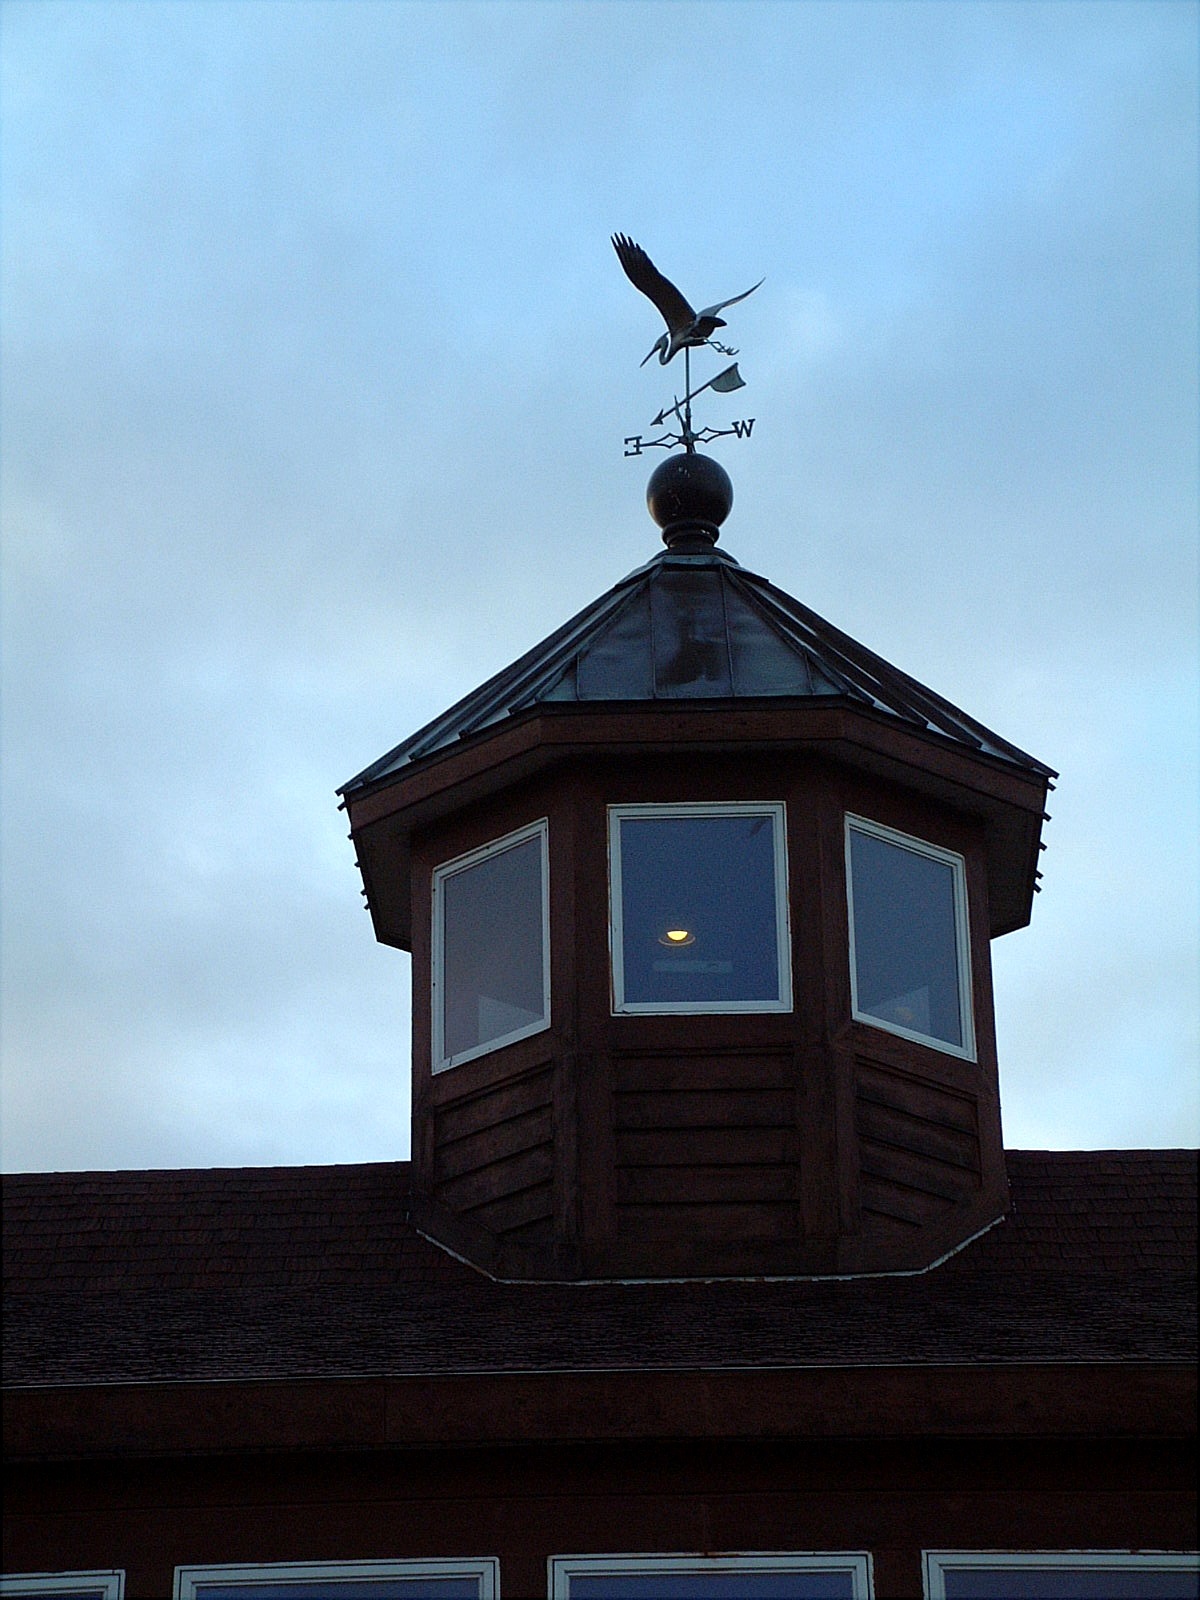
[317, 368]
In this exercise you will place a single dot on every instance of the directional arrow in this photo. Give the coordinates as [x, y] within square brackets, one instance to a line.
[724, 383]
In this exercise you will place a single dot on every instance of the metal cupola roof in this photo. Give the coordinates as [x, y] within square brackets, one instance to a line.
[693, 625]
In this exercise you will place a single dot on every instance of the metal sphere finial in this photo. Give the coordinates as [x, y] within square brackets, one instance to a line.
[689, 496]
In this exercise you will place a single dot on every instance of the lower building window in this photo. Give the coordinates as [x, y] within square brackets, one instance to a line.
[104, 1585]
[758, 1576]
[476, 1579]
[1060, 1575]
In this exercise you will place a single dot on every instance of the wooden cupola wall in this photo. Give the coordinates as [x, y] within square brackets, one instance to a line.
[794, 1070]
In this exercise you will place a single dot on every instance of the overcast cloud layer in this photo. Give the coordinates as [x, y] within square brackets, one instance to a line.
[317, 364]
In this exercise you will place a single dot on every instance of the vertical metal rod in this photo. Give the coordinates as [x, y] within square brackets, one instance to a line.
[687, 401]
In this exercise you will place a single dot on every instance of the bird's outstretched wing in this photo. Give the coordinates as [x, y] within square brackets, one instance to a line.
[644, 275]
[711, 311]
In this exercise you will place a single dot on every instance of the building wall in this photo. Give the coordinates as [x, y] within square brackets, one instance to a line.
[523, 1504]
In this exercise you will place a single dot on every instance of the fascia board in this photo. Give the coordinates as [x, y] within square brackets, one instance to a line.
[1018, 1401]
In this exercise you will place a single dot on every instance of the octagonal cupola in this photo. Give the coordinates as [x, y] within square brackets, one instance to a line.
[699, 894]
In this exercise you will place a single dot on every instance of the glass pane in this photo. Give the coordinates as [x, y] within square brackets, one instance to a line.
[905, 950]
[55, 1594]
[492, 967]
[698, 919]
[781, 1585]
[447, 1588]
[1065, 1583]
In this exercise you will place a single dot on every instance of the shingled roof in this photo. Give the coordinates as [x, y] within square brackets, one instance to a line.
[270, 1273]
[696, 627]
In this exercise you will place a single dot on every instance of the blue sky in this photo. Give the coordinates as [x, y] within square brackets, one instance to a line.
[317, 364]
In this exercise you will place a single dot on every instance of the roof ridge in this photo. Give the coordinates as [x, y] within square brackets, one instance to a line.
[1017, 1153]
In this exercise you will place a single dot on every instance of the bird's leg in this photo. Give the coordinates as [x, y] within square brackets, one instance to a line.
[721, 349]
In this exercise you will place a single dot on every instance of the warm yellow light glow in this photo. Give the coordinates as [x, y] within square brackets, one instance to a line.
[678, 936]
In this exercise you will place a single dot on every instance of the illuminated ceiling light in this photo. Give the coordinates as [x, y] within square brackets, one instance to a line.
[677, 936]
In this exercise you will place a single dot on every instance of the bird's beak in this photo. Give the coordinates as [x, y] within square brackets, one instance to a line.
[660, 344]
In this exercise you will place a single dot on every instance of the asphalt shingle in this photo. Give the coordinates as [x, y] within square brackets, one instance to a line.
[316, 1271]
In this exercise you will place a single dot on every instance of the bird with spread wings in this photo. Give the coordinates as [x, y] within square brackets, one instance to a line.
[684, 326]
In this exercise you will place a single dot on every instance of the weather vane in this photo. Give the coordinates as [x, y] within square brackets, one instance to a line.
[686, 329]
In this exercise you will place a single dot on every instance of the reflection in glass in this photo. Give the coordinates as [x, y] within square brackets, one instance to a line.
[698, 917]
[746, 1585]
[906, 966]
[14, 1590]
[399, 1588]
[493, 951]
[1013, 1582]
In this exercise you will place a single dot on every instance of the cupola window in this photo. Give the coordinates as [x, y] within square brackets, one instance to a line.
[910, 968]
[699, 908]
[491, 947]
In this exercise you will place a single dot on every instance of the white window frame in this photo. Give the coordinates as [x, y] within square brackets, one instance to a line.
[777, 811]
[190, 1581]
[936, 1563]
[962, 938]
[535, 830]
[561, 1569]
[109, 1580]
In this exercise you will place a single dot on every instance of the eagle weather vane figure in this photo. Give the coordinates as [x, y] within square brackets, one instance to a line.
[686, 330]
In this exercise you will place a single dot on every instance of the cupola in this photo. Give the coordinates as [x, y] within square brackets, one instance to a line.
[699, 894]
